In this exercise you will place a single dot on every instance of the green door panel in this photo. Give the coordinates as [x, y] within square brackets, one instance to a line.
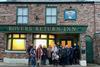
[89, 49]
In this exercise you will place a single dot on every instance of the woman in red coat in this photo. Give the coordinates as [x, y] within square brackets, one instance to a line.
[39, 55]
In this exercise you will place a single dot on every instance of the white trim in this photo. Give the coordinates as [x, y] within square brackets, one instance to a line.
[15, 60]
[83, 62]
[7, 51]
[49, 0]
[98, 31]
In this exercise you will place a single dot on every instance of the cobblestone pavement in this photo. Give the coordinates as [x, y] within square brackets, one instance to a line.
[25, 65]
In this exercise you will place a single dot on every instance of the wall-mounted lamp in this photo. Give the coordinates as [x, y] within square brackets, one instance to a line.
[70, 7]
[37, 18]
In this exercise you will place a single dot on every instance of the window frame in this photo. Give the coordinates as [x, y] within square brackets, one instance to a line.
[22, 15]
[50, 15]
[11, 47]
[33, 38]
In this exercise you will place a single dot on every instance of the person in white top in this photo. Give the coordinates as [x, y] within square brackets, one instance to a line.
[55, 49]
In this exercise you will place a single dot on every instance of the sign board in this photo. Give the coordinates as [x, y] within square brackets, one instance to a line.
[70, 14]
[43, 28]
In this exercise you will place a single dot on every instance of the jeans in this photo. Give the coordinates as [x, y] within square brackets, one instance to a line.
[33, 61]
[33, 65]
[29, 60]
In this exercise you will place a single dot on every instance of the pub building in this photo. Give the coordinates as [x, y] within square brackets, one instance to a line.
[47, 22]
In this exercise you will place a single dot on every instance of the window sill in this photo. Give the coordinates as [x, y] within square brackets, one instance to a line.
[7, 51]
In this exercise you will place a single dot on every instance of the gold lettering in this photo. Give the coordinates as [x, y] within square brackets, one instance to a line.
[68, 29]
[30, 28]
[64, 29]
[21, 28]
[58, 29]
[44, 28]
[37, 28]
[18, 28]
[53, 29]
[10, 28]
[26, 28]
[73, 29]
[14, 29]
[48, 28]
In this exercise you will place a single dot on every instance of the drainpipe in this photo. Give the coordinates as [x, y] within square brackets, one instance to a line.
[94, 34]
[94, 20]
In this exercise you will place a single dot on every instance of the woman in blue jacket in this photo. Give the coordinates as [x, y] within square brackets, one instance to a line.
[33, 56]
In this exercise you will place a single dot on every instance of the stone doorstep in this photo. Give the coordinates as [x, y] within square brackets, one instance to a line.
[25, 65]
[12, 64]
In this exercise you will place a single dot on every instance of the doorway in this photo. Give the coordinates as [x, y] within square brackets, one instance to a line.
[51, 39]
[89, 49]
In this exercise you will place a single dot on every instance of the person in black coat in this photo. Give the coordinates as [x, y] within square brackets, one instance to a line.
[33, 56]
[76, 54]
[30, 46]
[44, 55]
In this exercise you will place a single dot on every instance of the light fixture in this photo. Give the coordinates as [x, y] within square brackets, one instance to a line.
[37, 18]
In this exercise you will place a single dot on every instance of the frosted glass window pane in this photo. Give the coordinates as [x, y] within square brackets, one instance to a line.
[51, 36]
[9, 44]
[25, 19]
[18, 44]
[51, 43]
[43, 36]
[42, 42]
[53, 19]
[25, 11]
[20, 19]
[9, 35]
[15, 35]
[36, 36]
[54, 11]
[48, 20]
[48, 11]
[23, 36]
[20, 11]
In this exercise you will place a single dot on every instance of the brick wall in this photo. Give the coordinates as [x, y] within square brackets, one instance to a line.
[2, 45]
[85, 16]
[97, 36]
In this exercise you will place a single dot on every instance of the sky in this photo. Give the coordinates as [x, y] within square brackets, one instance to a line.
[2, 0]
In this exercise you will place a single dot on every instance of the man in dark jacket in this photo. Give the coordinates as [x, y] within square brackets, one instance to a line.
[33, 56]
[30, 46]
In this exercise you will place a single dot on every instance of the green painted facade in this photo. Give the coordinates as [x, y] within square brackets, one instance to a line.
[43, 29]
[89, 49]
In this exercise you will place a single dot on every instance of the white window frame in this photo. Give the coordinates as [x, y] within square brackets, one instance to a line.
[50, 15]
[22, 15]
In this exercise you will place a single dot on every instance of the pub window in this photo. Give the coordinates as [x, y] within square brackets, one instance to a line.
[51, 36]
[16, 42]
[43, 36]
[51, 15]
[51, 40]
[22, 15]
[44, 40]
[37, 36]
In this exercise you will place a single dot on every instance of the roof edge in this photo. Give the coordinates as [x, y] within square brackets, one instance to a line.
[80, 2]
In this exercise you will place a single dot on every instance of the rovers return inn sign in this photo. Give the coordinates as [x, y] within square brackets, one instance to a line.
[43, 29]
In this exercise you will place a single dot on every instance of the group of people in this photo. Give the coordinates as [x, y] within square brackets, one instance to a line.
[57, 55]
